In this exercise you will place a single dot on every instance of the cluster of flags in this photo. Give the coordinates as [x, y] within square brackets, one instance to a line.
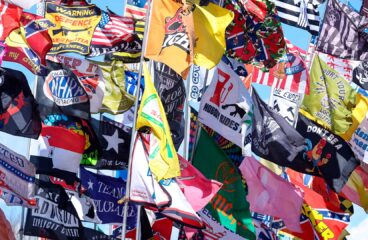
[247, 169]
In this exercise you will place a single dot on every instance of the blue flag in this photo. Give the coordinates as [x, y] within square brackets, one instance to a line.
[106, 192]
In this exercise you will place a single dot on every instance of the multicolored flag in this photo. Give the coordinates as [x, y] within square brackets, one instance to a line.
[228, 206]
[6, 231]
[74, 27]
[18, 111]
[136, 9]
[164, 162]
[331, 99]
[24, 4]
[272, 195]
[300, 13]
[342, 34]
[356, 188]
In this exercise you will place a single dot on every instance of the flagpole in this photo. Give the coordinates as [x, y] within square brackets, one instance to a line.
[134, 130]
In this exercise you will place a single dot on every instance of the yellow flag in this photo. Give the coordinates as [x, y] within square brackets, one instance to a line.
[164, 162]
[210, 23]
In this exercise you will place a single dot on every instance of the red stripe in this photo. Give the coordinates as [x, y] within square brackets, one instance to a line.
[60, 137]
[135, 12]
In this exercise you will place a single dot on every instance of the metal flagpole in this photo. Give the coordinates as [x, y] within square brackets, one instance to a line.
[134, 130]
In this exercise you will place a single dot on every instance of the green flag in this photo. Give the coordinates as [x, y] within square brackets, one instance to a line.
[331, 98]
[229, 206]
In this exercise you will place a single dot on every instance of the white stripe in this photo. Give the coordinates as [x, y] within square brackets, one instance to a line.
[66, 160]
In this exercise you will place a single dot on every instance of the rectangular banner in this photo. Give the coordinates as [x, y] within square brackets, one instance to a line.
[74, 27]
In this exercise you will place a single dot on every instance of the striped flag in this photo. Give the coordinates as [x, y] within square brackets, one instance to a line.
[136, 9]
[299, 13]
[289, 74]
[113, 29]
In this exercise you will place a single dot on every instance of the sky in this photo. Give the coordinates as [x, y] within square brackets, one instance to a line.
[359, 222]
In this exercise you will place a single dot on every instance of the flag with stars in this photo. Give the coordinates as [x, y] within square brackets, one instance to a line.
[106, 192]
[114, 139]
[136, 9]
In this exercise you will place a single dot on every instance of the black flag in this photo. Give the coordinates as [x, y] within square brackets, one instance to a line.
[360, 75]
[114, 139]
[273, 138]
[55, 217]
[18, 109]
[170, 87]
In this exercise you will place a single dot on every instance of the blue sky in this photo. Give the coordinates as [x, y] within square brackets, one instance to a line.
[297, 36]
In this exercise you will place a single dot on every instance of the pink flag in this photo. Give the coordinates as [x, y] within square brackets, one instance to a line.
[272, 195]
[196, 187]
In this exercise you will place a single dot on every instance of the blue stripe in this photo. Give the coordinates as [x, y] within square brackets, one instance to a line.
[17, 172]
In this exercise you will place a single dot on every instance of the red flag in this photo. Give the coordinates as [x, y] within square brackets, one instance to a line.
[9, 18]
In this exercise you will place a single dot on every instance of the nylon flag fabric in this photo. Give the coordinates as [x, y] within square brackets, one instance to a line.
[114, 141]
[164, 163]
[302, 14]
[17, 174]
[272, 137]
[227, 107]
[55, 216]
[54, 154]
[90, 233]
[210, 23]
[196, 187]
[356, 189]
[18, 112]
[286, 104]
[331, 98]
[228, 206]
[74, 27]
[116, 99]
[13, 199]
[272, 195]
[9, 19]
[24, 4]
[89, 76]
[326, 155]
[171, 89]
[359, 141]
[106, 191]
[136, 9]
[167, 38]
[342, 33]
[19, 51]
[360, 75]
[197, 78]
[60, 91]
[114, 33]
[6, 231]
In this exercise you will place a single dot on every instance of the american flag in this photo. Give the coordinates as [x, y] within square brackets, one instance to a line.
[113, 29]
[136, 9]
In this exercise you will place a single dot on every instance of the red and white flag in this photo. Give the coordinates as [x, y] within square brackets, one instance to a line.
[24, 3]
[9, 18]
[136, 9]
[113, 29]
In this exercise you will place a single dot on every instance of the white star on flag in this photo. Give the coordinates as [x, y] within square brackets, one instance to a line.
[90, 184]
[113, 141]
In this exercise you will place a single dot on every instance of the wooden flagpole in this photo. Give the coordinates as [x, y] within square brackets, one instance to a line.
[134, 130]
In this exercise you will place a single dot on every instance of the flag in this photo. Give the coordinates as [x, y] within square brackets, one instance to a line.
[290, 74]
[210, 23]
[171, 89]
[342, 34]
[364, 8]
[18, 112]
[18, 51]
[60, 91]
[116, 99]
[3, 50]
[17, 174]
[136, 9]
[124, 56]
[227, 107]
[228, 206]
[74, 27]
[272, 137]
[34, 29]
[9, 19]
[165, 195]
[198, 189]
[114, 139]
[326, 155]
[272, 195]
[55, 216]
[13, 199]
[164, 162]
[359, 141]
[55, 154]
[356, 189]
[360, 76]
[89, 75]
[198, 76]
[98, 234]
[300, 13]
[24, 4]
[114, 33]
[6, 231]
[286, 104]
[167, 38]
[105, 192]
[331, 98]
